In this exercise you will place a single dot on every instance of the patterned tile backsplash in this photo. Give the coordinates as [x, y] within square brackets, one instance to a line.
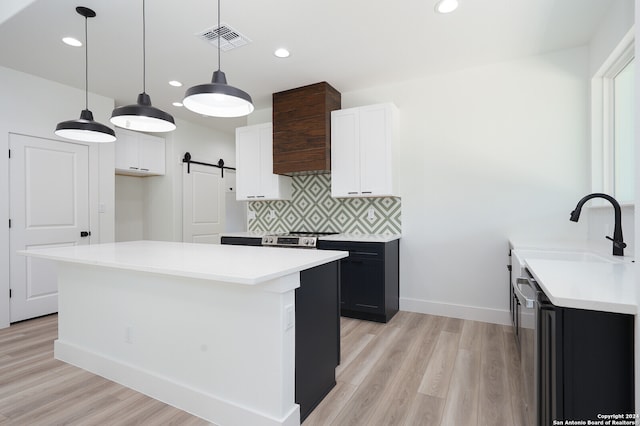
[312, 209]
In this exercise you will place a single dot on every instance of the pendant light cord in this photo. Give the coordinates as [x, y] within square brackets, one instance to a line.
[219, 35]
[86, 65]
[144, 50]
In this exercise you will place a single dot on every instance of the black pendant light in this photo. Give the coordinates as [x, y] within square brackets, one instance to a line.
[218, 99]
[142, 116]
[85, 129]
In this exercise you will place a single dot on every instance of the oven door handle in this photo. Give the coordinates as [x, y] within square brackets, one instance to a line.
[528, 302]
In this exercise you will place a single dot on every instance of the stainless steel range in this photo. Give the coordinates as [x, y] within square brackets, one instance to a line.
[294, 239]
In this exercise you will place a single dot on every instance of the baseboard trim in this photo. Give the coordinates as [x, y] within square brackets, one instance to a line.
[191, 400]
[474, 313]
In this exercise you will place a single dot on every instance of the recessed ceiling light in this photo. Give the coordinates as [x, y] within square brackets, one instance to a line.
[177, 104]
[282, 53]
[72, 41]
[175, 83]
[446, 6]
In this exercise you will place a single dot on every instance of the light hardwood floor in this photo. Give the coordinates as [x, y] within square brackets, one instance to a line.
[415, 370]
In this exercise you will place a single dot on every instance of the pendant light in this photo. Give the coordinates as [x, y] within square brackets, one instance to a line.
[85, 129]
[218, 99]
[142, 116]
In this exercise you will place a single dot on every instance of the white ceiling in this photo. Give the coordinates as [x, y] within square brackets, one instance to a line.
[351, 44]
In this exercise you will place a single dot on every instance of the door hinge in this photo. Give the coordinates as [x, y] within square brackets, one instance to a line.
[509, 268]
[9, 223]
[9, 153]
[9, 293]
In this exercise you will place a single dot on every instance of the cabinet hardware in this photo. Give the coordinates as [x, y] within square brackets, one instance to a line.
[352, 192]
[145, 170]
[365, 253]
[84, 234]
[367, 192]
[133, 168]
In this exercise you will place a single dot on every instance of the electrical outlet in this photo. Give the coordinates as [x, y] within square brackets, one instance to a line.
[251, 214]
[371, 215]
[289, 317]
[272, 214]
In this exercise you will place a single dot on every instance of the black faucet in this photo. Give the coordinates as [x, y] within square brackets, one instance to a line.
[618, 243]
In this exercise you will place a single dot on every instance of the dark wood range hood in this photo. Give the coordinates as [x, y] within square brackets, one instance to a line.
[302, 129]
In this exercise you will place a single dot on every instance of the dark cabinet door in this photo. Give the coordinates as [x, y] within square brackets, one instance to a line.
[369, 279]
[548, 352]
[365, 291]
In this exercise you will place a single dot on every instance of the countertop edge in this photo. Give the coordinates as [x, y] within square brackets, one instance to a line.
[189, 274]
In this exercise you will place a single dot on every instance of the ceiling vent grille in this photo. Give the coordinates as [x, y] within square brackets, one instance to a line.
[227, 36]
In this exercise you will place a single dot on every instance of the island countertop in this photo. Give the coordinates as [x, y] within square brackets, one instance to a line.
[233, 264]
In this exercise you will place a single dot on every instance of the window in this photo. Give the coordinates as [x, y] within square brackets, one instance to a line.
[612, 125]
[622, 137]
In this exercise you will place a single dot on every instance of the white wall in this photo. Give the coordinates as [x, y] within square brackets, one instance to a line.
[151, 207]
[130, 208]
[487, 154]
[33, 106]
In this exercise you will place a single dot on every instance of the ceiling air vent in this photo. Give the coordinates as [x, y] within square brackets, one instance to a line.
[228, 37]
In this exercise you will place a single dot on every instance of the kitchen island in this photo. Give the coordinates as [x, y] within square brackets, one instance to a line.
[206, 328]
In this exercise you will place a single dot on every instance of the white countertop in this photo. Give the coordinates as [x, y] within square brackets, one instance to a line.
[598, 286]
[228, 263]
[605, 284]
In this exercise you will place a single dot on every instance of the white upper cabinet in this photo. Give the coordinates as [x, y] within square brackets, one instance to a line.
[255, 180]
[363, 151]
[139, 154]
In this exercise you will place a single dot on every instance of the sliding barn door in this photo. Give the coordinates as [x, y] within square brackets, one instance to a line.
[203, 201]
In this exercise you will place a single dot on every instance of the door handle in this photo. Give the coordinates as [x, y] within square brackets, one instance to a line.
[84, 234]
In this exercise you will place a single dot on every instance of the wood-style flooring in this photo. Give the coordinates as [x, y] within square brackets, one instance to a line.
[415, 370]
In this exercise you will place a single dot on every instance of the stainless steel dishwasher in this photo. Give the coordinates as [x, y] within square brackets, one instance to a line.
[526, 291]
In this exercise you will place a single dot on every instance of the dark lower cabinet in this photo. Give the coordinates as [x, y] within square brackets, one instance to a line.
[369, 279]
[585, 363]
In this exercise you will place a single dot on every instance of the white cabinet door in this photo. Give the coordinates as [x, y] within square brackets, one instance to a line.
[345, 153]
[375, 150]
[151, 154]
[362, 154]
[254, 163]
[248, 163]
[126, 151]
[139, 154]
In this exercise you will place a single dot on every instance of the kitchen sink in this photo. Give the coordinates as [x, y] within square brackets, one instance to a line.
[519, 256]
[575, 256]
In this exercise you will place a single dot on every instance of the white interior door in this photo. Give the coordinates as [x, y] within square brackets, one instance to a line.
[203, 204]
[49, 207]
